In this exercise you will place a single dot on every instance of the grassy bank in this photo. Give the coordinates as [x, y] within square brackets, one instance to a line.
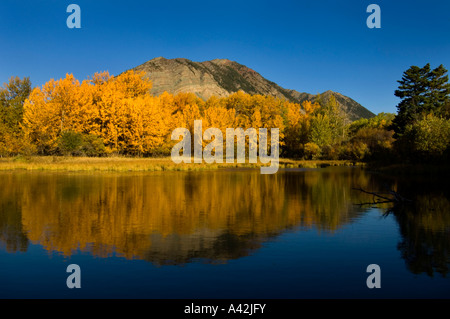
[127, 164]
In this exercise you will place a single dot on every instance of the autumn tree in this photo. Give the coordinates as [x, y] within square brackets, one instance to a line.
[294, 120]
[53, 109]
[113, 108]
[257, 112]
[429, 138]
[102, 106]
[327, 128]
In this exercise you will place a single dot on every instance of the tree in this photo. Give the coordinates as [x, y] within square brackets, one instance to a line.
[51, 110]
[422, 91]
[381, 120]
[429, 137]
[330, 109]
[321, 132]
[370, 139]
[77, 144]
[438, 94]
[70, 143]
[327, 127]
[371, 143]
[12, 97]
[294, 139]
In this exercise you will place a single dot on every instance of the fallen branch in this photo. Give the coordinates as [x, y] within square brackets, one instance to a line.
[374, 203]
[396, 199]
[375, 194]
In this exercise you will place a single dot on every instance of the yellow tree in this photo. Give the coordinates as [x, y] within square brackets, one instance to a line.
[64, 100]
[133, 84]
[59, 106]
[295, 116]
[47, 112]
[112, 100]
[147, 125]
[219, 117]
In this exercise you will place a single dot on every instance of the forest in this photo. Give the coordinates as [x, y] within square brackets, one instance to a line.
[108, 115]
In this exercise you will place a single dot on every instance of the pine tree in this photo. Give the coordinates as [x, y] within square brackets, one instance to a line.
[422, 91]
[438, 94]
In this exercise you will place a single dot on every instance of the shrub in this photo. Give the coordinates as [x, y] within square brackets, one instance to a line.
[93, 145]
[70, 143]
[311, 151]
[78, 144]
[428, 138]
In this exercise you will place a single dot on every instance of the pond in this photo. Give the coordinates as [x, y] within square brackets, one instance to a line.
[300, 233]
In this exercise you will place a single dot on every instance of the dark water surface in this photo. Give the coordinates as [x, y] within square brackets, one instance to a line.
[221, 234]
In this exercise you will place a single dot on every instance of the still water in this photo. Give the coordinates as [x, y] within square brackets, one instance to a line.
[221, 234]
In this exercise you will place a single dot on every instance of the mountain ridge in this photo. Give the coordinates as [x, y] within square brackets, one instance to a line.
[222, 77]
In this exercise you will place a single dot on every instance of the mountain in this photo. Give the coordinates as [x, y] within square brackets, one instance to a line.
[221, 77]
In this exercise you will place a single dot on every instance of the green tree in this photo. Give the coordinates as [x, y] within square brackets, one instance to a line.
[12, 97]
[77, 144]
[336, 117]
[70, 143]
[328, 127]
[370, 139]
[429, 136]
[422, 91]
[438, 94]
[381, 120]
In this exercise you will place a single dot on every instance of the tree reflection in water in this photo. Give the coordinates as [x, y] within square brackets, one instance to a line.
[212, 216]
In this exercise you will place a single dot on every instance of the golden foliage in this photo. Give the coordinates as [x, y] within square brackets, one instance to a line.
[129, 120]
[133, 215]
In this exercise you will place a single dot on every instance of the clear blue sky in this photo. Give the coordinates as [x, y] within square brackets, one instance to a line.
[310, 46]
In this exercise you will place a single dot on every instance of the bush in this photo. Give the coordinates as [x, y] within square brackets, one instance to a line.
[70, 143]
[93, 145]
[311, 151]
[360, 150]
[78, 144]
[427, 138]
[369, 143]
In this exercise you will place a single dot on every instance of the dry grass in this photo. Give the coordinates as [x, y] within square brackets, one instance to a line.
[127, 164]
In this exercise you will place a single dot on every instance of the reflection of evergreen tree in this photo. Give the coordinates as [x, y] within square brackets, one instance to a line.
[425, 230]
[213, 216]
[428, 252]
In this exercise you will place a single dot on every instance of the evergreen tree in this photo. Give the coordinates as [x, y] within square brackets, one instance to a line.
[422, 91]
[438, 94]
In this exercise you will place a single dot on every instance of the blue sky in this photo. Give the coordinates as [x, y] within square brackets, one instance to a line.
[310, 46]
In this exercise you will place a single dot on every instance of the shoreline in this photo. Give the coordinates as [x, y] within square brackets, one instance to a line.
[150, 164]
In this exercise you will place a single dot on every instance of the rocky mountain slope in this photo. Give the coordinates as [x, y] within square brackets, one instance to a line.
[221, 77]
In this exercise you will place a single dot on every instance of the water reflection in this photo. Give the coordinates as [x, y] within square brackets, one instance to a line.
[425, 227]
[174, 217]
